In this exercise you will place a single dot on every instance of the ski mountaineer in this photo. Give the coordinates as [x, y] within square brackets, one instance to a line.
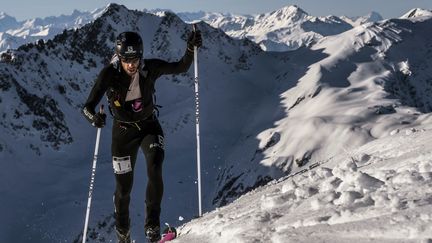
[129, 83]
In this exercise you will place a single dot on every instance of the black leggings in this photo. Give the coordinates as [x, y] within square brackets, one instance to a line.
[126, 140]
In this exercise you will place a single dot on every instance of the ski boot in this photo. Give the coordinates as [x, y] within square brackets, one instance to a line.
[123, 235]
[152, 233]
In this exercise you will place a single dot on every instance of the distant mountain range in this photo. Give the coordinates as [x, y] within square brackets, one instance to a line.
[15, 33]
[285, 29]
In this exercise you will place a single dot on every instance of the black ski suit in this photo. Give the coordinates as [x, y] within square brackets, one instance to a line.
[133, 129]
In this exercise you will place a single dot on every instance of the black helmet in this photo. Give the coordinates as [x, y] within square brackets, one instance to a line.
[129, 45]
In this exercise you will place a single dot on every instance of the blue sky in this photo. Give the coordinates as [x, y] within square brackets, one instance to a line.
[24, 9]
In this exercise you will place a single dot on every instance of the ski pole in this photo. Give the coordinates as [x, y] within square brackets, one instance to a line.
[197, 125]
[93, 174]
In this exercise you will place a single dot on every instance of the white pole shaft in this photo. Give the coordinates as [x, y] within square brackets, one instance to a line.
[91, 185]
[197, 129]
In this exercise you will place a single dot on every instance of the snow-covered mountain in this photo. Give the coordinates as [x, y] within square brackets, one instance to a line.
[356, 21]
[343, 92]
[364, 101]
[264, 115]
[207, 17]
[284, 29]
[417, 12]
[15, 33]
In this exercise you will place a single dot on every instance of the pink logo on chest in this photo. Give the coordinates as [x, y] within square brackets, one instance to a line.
[137, 105]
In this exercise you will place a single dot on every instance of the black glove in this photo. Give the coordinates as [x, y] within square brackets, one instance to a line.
[194, 39]
[97, 120]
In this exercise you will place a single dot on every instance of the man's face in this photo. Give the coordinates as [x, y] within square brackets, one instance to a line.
[130, 65]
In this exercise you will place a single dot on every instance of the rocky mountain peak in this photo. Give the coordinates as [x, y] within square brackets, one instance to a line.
[291, 13]
[417, 12]
[115, 8]
[7, 22]
[374, 17]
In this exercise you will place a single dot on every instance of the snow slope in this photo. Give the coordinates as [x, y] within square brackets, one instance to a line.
[379, 192]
